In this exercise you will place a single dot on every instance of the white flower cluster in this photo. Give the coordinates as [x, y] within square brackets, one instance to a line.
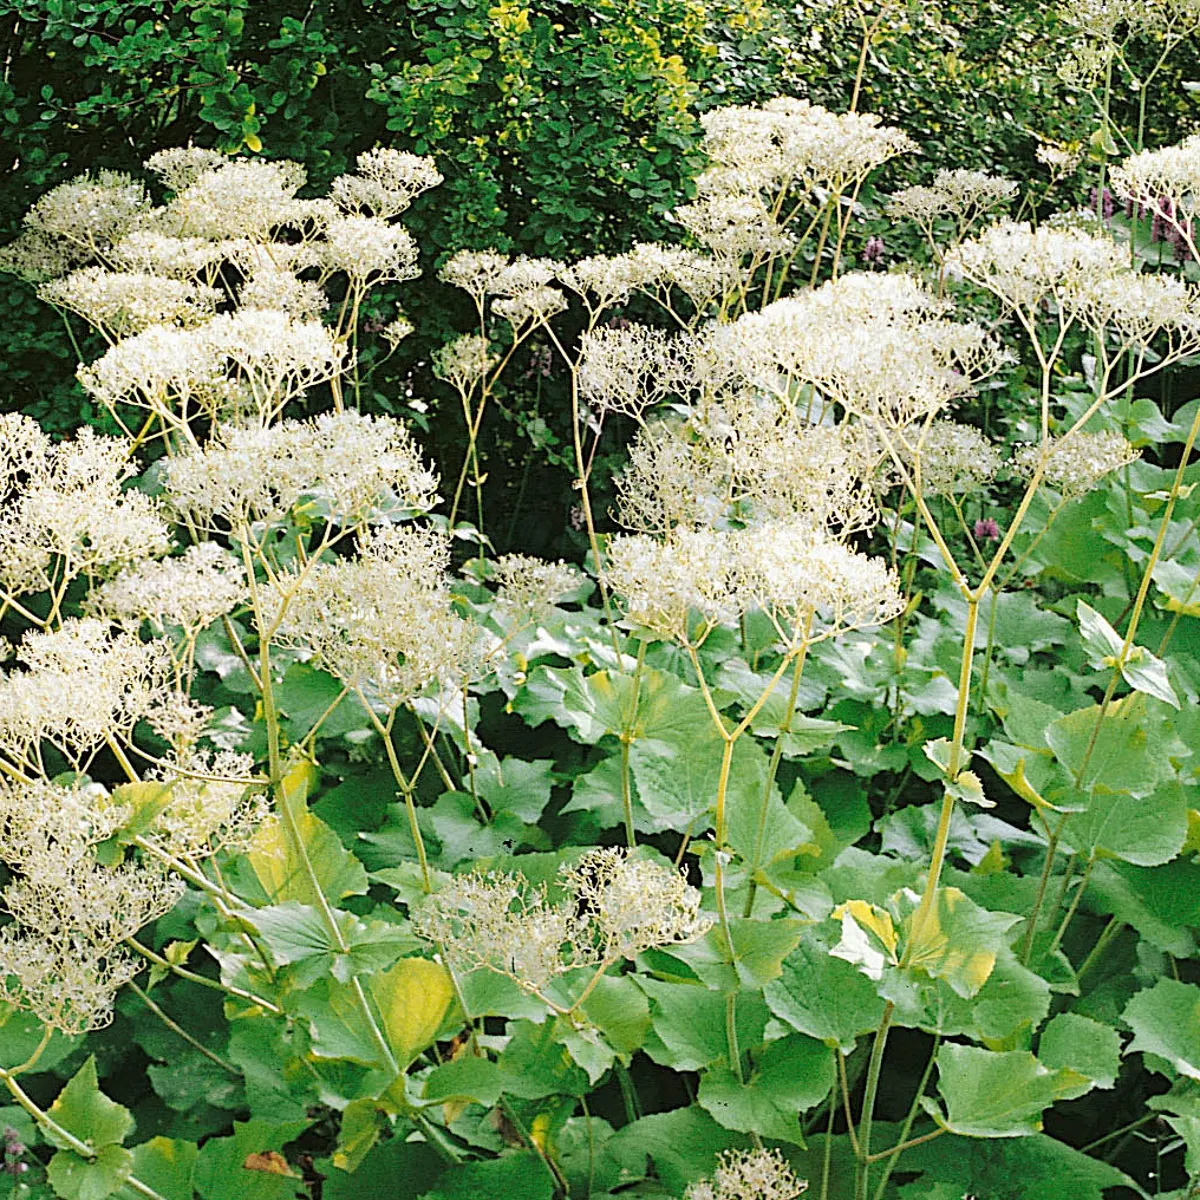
[353, 466]
[248, 363]
[519, 287]
[952, 458]
[1024, 266]
[62, 956]
[1076, 463]
[465, 361]
[190, 591]
[732, 225]
[749, 1175]
[808, 584]
[387, 182]
[879, 345]
[120, 303]
[75, 222]
[64, 512]
[1172, 171]
[629, 369]
[77, 686]
[530, 587]
[381, 622]
[615, 907]
[959, 195]
[214, 803]
[792, 143]
[368, 249]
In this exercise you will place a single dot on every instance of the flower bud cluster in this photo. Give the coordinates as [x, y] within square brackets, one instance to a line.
[353, 466]
[65, 512]
[749, 1175]
[62, 957]
[614, 907]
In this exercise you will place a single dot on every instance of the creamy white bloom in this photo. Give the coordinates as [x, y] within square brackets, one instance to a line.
[1172, 171]
[79, 685]
[66, 509]
[353, 465]
[387, 182]
[382, 622]
[203, 583]
[952, 458]
[180, 166]
[465, 361]
[120, 303]
[475, 271]
[749, 1175]
[631, 368]
[1076, 463]
[89, 212]
[368, 248]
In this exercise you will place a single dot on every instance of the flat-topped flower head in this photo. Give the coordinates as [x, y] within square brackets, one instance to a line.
[503, 922]
[749, 1175]
[952, 458]
[1023, 266]
[732, 225]
[382, 622]
[386, 183]
[1076, 463]
[65, 508]
[368, 248]
[1172, 171]
[632, 904]
[180, 166]
[190, 591]
[239, 198]
[357, 467]
[465, 361]
[89, 213]
[475, 271]
[682, 587]
[632, 368]
[120, 303]
[529, 587]
[78, 686]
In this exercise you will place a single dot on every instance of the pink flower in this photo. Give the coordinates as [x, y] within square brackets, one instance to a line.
[873, 251]
[986, 528]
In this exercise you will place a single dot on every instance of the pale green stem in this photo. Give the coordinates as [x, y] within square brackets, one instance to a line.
[863, 1188]
[179, 1030]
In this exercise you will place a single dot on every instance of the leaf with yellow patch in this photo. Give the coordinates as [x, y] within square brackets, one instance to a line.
[957, 940]
[414, 998]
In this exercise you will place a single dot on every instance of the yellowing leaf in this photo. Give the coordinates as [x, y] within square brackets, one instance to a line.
[413, 998]
[868, 937]
[957, 941]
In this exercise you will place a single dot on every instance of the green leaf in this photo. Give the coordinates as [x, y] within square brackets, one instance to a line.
[278, 864]
[76, 1178]
[995, 1095]
[824, 997]
[682, 1144]
[297, 937]
[1165, 1020]
[688, 1022]
[788, 1077]
[1147, 831]
[239, 1166]
[20, 1035]
[1083, 1045]
[83, 1110]
[620, 1011]
[1146, 673]
[393, 1170]
[1027, 1168]
[520, 1176]
[759, 948]
[1125, 756]
[362, 1123]
[465, 1078]
[957, 941]
[1100, 638]
[165, 1165]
